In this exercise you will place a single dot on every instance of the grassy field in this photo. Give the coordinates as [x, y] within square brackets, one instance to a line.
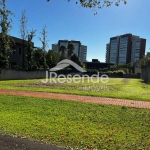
[133, 89]
[75, 124]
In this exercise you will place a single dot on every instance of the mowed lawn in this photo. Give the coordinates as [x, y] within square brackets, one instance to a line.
[75, 124]
[134, 89]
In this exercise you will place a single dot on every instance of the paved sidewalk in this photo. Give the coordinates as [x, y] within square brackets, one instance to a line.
[97, 100]
[14, 143]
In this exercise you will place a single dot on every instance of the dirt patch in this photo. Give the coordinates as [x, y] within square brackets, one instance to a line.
[89, 99]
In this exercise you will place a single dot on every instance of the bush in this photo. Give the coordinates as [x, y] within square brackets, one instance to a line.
[145, 62]
[117, 73]
[93, 71]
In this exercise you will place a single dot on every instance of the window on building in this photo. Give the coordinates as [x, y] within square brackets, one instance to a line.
[19, 51]
[125, 39]
[114, 41]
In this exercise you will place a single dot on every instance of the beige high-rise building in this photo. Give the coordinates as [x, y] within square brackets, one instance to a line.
[80, 50]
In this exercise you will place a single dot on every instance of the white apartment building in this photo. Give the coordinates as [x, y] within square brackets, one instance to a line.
[80, 50]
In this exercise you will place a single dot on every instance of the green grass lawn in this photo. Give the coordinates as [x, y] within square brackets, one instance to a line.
[133, 89]
[75, 124]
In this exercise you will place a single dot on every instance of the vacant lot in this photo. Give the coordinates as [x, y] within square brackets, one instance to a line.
[75, 124]
[134, 89]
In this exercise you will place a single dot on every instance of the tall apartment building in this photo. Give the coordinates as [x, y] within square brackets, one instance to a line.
[55, 47]
[138, 48]
[83, 53]
[80, 50]
[107, 53]
[125, 49]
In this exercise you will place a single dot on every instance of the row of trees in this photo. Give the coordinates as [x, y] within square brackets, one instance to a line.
[47, 59]
[126, 68]
[6, 41]
[33, 58]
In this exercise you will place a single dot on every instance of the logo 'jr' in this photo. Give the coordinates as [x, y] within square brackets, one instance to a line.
[65, 63]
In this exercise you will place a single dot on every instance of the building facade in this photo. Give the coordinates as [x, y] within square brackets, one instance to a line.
[107, 53]
[125, 49]
[55, 47]
[17, 56]
[97, 65]
[80, 50]
[83, 53]
[138, 48]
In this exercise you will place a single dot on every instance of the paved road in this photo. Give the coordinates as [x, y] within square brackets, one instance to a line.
[13, 143]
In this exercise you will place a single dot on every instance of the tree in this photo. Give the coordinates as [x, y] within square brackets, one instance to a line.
[71, 48]
[44, 41]
[97, 3]
[6, 41]
[29, 65]
[52, 58]
[145, 62]
[76, 59]
[127, 68]
[62, 50]
[23, 31]
[38, 57]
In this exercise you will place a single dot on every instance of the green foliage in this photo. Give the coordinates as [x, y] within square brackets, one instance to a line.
[52, 58]
[75, 125]
[62, 57]
[44, 42]
[43, 38]
[30, 64]
[133, 89]
[127, 68]
[118, 72]
[6, 41]
[23, 25]
[76, 59]
[23, 32]
[70, 48]
[92, 71]
[97, 3]
[38, 57]
[3, 60]
[62, 50]
[115, 73]
[145, 62]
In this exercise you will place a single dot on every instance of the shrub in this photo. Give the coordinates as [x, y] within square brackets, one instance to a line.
[145, 62]
[93, 71]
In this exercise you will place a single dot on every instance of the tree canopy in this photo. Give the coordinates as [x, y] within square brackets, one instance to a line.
[97, 3]
[145, 62]
[5, 40]
[71, 48]
[52, 58]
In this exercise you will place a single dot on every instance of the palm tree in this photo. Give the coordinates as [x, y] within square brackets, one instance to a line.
[62, 49]
[71, 48]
